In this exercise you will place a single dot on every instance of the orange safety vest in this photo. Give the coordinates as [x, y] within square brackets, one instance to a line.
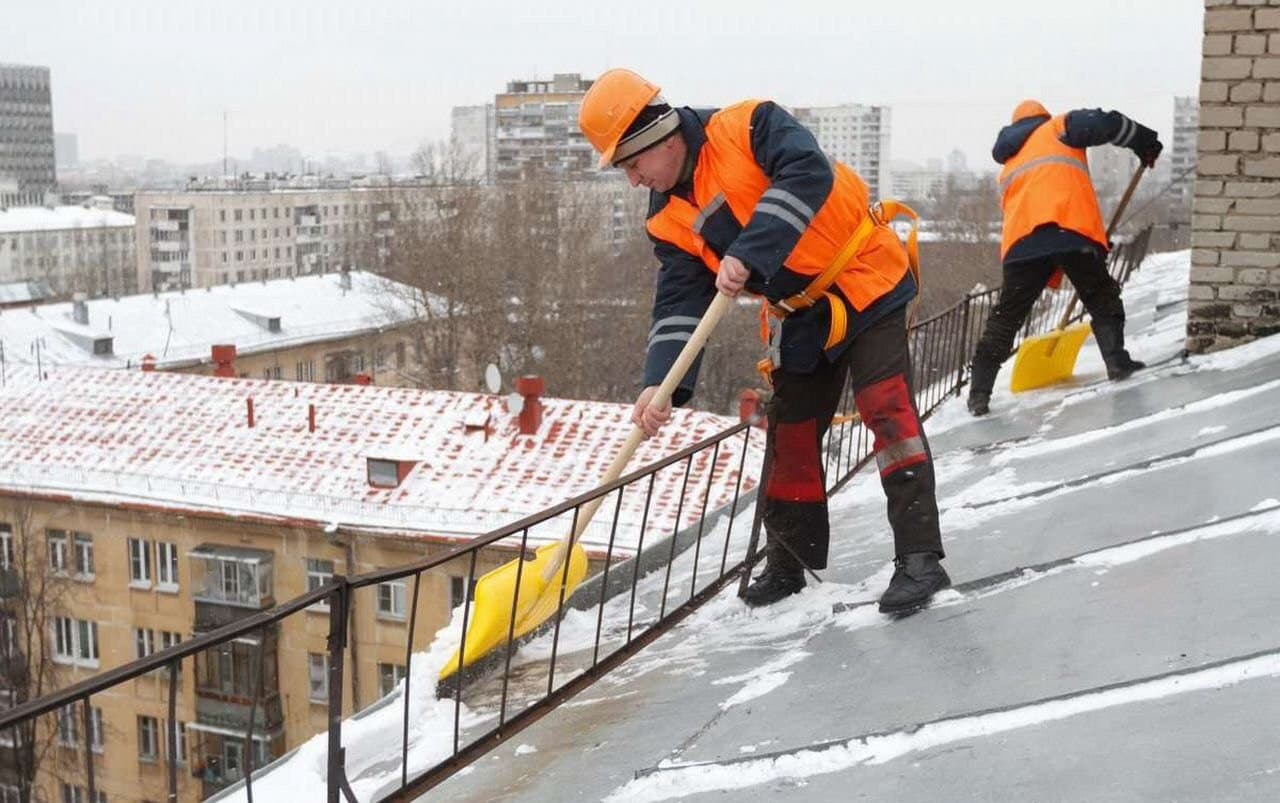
[843, 229]
[1048, 181]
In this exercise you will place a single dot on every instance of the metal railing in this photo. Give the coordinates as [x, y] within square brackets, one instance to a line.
[625, 605]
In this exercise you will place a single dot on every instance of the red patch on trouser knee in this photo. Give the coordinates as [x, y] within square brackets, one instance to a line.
[886, 409]
[796, 474]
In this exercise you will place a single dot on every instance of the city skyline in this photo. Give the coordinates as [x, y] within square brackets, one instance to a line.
[155, 81]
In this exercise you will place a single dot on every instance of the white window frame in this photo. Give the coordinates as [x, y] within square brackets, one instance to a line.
[59, 551]
[139, 563]
[181, 740]
[75, 642]
[8, 699]
[166, 566]
[387, 682]
[391, 600]
[10, 793]
[68, 727]
[82, 555]
[318, 575]
[148, 731]
[317, 677]
[6, 547]
[144, 642]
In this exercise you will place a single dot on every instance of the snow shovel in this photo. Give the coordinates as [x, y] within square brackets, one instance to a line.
[1045, 359]
[516, 598]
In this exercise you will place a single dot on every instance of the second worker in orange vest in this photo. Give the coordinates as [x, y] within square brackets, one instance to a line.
[1051, 222]
[743, 198]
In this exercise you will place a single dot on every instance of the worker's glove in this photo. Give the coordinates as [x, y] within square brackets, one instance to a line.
[1146, 144]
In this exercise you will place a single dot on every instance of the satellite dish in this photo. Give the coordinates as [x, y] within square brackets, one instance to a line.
[515, 404]
[492, 379]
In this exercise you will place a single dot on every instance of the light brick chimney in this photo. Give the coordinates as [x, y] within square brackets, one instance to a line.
[1235, 237]
[530, 388]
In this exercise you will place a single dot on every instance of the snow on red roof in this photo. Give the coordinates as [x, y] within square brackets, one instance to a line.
[183, 442]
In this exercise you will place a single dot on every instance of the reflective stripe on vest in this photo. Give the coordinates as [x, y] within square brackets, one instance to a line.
[1070, 161]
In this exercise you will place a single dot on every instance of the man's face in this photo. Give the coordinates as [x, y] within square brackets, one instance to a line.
[657, 168]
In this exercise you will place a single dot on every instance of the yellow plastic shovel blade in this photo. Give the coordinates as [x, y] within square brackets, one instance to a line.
[536, 602]
[1045, 359]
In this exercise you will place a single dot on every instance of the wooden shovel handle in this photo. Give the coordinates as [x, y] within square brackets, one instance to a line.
[668, 387]
[1111, 227]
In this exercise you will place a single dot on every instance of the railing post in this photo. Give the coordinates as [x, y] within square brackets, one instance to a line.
[964, 344]
[337, 644]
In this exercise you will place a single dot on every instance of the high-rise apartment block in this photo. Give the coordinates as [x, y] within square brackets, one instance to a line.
[536, 130]
[1182, 157]
[855, 134]
[26, 135]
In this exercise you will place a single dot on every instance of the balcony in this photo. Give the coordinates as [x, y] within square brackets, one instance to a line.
[230, 577]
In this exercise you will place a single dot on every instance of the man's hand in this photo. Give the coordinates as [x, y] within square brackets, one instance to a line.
[649, 417]
[732, 276]
[1146, 144]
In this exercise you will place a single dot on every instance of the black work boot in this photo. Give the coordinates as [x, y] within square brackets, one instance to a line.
[982, 378]
[979, 402]
[776, 582]
[916, 578]
[1109, 333]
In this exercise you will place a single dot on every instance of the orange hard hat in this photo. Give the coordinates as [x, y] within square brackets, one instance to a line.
[1029, 108]
[611, 105]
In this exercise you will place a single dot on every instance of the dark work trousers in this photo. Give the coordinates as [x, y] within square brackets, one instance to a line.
[1023, 283]
[795, 497]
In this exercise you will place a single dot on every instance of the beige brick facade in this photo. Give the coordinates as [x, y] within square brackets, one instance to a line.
[1235, 275]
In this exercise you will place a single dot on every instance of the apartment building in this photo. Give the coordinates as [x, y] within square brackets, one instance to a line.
[138, 509]
[1182, 153]
[536, 132]
[27, 165]
[204, 237]
[856, 135]
[338, 328]
[87, 248]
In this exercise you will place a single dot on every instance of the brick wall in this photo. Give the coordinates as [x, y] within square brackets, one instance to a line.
[1235, 240]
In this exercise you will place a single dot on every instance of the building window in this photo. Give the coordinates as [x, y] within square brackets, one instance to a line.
[10, 794]
[96, 730]
[389, 676]
[68, 726]
[8, 738]
[391, 599]
[139, 563]
[383, 473]
[239, 215]
[455, 591]
[180, 751]
[72, 793]
[6, 547]
[75, 641]
[144, 642]
[148, 738]
[166, 566]
[59, 551]
[83, 544]
[318, 673]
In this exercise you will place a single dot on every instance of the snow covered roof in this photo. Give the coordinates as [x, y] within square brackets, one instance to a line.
[17, 219]
[1111, 633]
[24, 292]
[178, 328]
[183, 442]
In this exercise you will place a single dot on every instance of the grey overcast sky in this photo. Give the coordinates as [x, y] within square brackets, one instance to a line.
[153, 77]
